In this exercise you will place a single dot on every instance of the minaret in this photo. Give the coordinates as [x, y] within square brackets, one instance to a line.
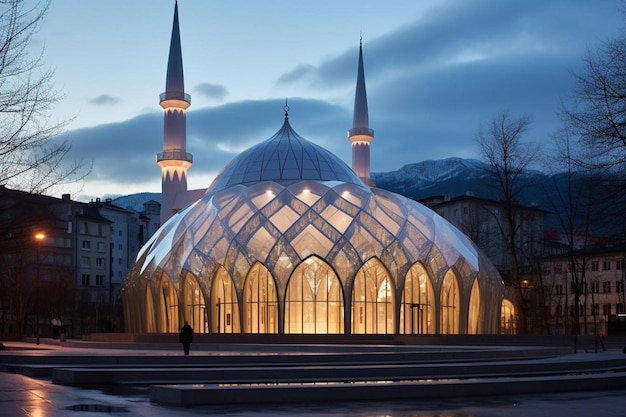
[361, 135]
[174, 160]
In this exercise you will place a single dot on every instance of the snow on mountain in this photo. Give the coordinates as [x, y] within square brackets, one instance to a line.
[419, 179]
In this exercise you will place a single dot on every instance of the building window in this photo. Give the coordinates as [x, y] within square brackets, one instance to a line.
[595, 309]
[619, 264]
[119, 261]
[558, 269]
[606, 265]
[86, 244]
[558, 289]
[100, 262]
[119, 233]
[85, 261]
[619, 307]
[85, 228]
[606, 309]
[100, 280]
[100, 246]
[559, 310]
[619, 286]
[606, 286]
[595, 287]
[120, 246]
[85, 280]
[99, 230]
[595, 266]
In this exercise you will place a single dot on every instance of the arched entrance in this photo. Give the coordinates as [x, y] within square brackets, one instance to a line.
[449, 305]
[372, 300]
[260, 306]
[224, 304]
[417, 309]
[314, 299]
[195, 307]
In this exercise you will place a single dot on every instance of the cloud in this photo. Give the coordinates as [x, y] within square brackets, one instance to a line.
[430, 84]
[211, 91]
[104, 100]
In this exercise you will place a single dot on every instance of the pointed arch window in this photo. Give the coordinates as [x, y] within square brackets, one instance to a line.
[168, 313]
[314, 300]
[260, 308]
[195, 307]
[417, 308]
[449, 305]
[224, 304]
[473, 316]
[372, 300]
[508, 318]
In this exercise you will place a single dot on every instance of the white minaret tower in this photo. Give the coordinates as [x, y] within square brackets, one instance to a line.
[361, 135]
[174, 160]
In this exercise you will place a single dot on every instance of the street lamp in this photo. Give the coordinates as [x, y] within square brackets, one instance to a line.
[39, 237]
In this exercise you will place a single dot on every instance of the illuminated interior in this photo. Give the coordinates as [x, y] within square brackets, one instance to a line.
[288, 240]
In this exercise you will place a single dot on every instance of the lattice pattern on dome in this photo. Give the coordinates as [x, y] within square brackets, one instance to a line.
[285, 157]
[283, 225]
[226, 228]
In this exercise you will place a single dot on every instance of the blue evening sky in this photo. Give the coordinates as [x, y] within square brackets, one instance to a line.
[435, 71]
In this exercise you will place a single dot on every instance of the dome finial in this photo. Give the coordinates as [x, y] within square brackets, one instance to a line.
[286, 109]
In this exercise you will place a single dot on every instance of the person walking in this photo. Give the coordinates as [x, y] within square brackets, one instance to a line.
[186, 334]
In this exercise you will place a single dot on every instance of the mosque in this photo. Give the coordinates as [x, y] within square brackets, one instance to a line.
[288, 239]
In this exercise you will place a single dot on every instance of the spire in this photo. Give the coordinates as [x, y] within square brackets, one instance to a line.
[175, 82]
[360, 120]
[174, 160]
[361, 135]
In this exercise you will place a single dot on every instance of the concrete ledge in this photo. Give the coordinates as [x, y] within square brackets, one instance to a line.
[188, 395]
[330, 373]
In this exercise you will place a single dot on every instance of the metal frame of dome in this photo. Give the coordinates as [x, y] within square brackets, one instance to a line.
[284, 157]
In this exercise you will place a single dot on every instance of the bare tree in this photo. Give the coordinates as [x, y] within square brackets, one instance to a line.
[30, 155]
[575, 204]
[596, 114]
[508, 157]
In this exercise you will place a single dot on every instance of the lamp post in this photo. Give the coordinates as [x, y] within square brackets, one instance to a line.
[39, 237]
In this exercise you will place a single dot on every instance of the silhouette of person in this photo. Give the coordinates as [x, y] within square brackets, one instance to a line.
[185, 337]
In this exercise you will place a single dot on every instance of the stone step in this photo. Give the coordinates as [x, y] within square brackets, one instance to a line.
[336, 372]
[213, 394]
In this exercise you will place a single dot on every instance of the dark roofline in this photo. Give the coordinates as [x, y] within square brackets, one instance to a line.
[459, 198]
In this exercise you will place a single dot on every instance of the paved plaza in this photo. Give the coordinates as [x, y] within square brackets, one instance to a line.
[39, 397]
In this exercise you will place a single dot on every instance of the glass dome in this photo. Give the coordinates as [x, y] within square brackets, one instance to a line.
[285, 157]
[288, 240]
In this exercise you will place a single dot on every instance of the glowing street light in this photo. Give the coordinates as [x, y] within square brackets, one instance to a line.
[39, 237]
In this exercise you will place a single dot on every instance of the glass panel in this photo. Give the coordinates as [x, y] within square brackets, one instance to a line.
[449, 305]
[417, 309]
[372, 300]
[168, 315]
[473, 317]
[311, 241]
[195, 307]
[314, 299]
[508, 318]
[224, 304]
[284, 218]
[260, 301]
